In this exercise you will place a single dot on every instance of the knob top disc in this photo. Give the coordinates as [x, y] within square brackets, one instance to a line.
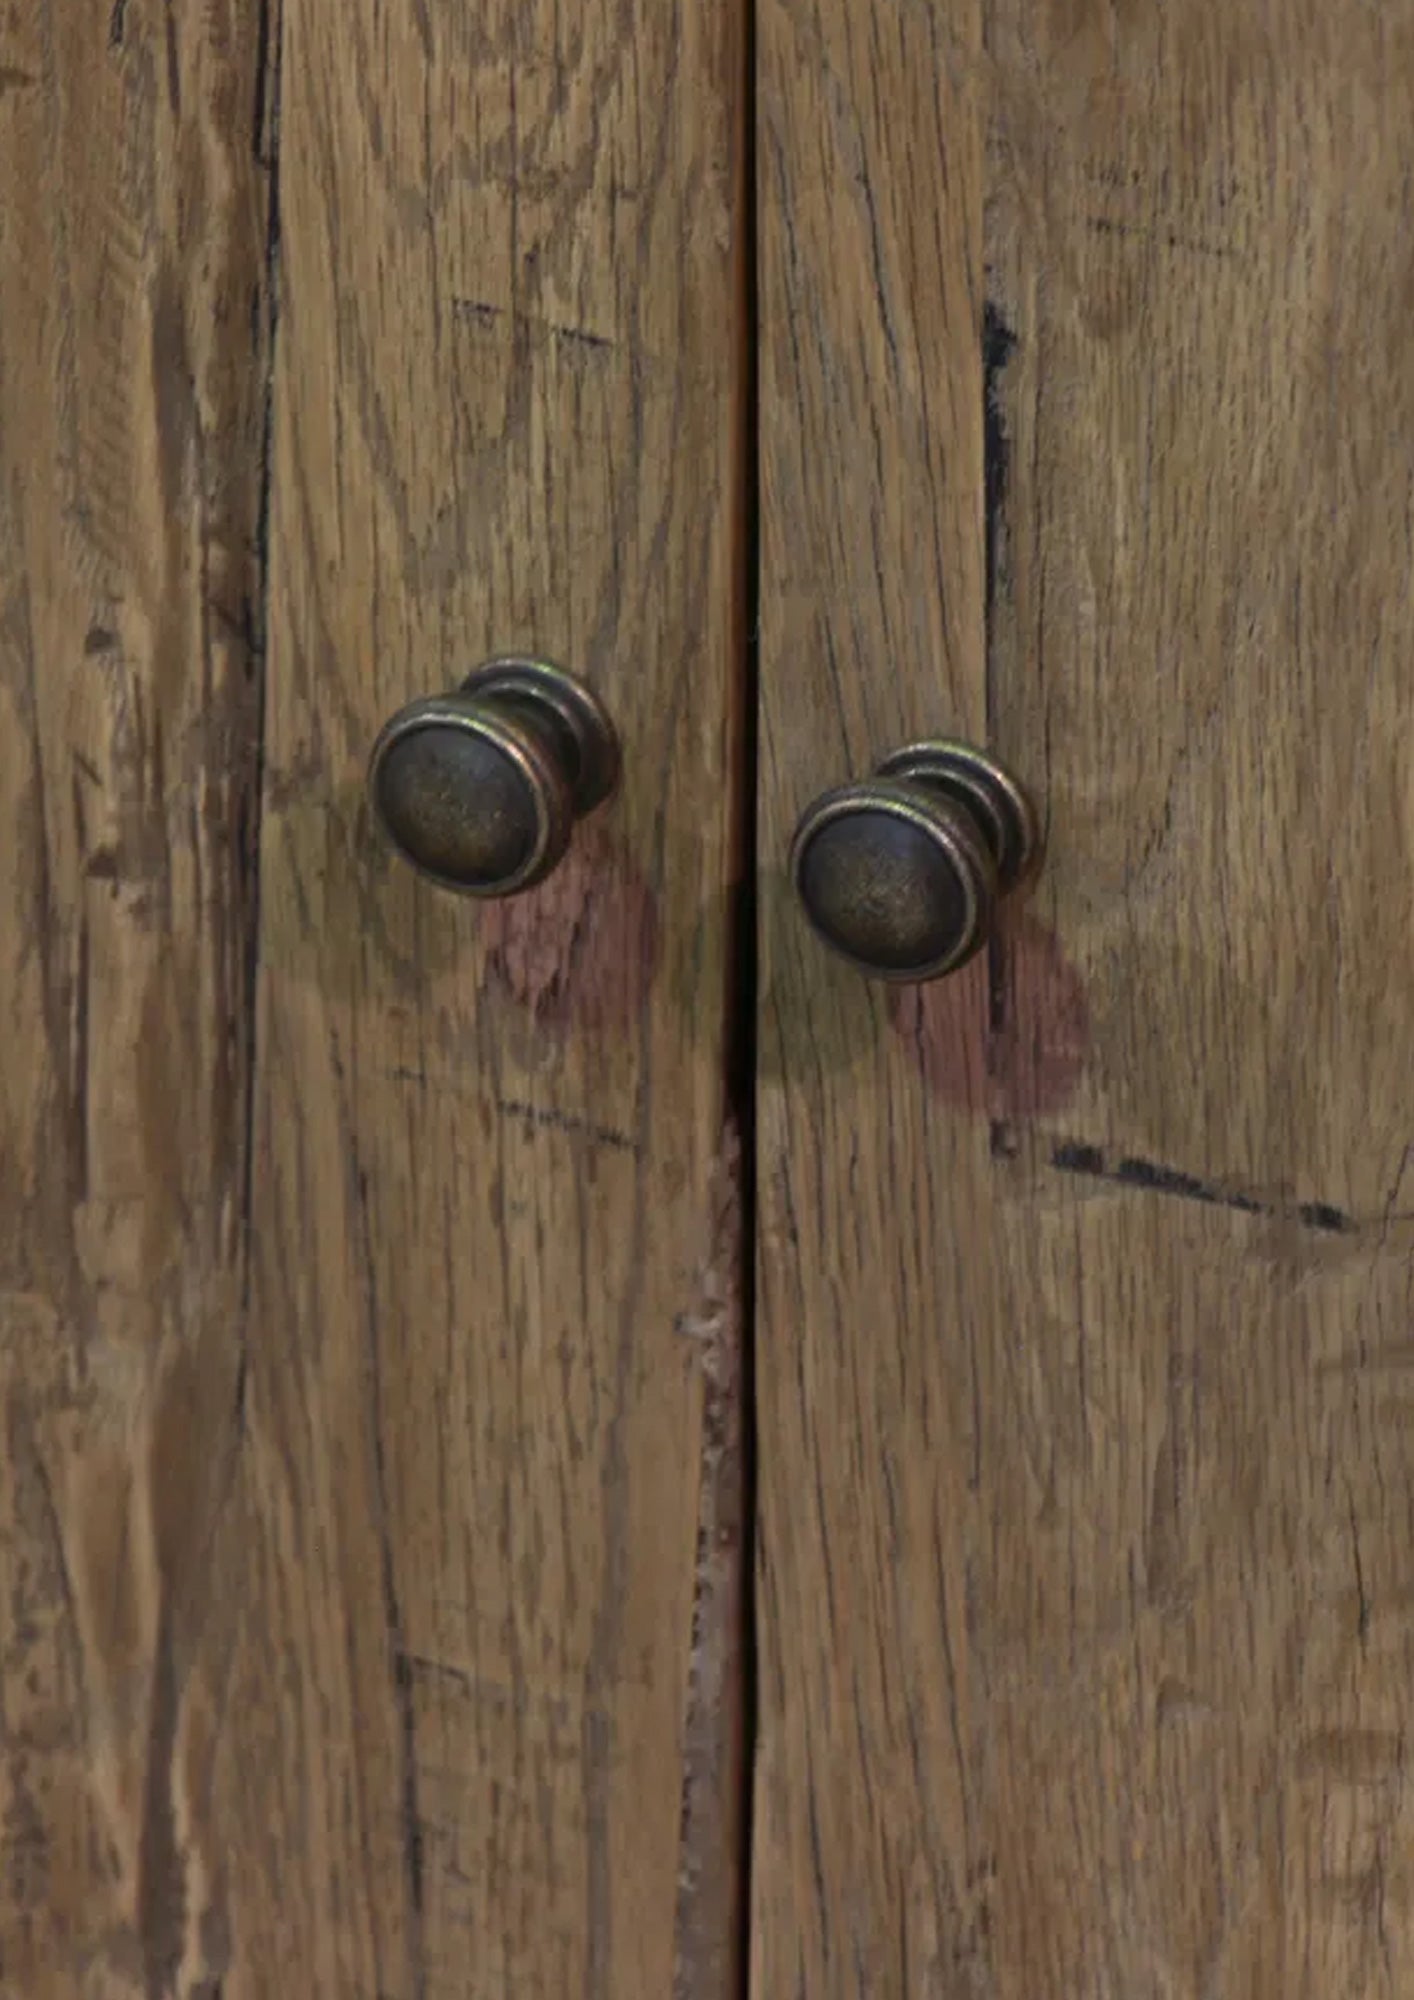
[901, 886]
[469, 796]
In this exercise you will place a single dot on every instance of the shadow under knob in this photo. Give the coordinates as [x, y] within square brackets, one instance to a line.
[901, 873]
[479, 789]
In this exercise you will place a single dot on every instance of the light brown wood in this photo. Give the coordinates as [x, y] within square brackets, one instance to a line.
[133, 205]
[369, 1511]
[1086, 1463]
[370, 1539]
[490, 1555]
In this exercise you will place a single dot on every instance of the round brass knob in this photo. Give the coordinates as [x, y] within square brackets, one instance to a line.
[479, 789]
[901, 874]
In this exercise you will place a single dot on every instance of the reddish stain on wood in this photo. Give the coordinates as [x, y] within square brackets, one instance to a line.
[581, 949]
[1006, 1038]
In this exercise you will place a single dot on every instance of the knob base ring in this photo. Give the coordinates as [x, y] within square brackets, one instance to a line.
[984, 787]
[574, 713]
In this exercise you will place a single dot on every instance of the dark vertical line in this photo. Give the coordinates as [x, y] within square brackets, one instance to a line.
[998, 340]
[410, 1813]
[265, 145]
[746, 983]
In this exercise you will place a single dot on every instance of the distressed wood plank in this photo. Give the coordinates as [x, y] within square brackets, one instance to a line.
[1085, 1461]
[132, 368]
[489, 1672]
[871, 146]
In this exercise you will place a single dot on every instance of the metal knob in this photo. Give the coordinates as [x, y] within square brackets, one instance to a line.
[479, 789]
[901, 874]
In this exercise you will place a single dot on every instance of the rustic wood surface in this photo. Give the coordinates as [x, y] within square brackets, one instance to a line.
[369, 1522]
[133, 338]
[370, 1508]
[1085, 1450]
[491, 1552]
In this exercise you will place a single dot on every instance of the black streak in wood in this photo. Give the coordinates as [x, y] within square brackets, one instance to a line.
[265, 322]
[174, 65]
[161, 1874]
[998, 344]
[1075, 1157]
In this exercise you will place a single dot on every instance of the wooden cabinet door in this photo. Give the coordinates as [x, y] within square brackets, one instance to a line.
[391, 1287]
[1085, 1449]
[369, 1262]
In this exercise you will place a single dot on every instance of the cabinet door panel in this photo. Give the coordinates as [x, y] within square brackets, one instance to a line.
[494, 1290]
[1085, 1466]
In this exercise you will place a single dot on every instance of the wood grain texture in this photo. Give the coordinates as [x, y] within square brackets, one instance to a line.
[487, 1516]
[133, 205]
[1086, 1462]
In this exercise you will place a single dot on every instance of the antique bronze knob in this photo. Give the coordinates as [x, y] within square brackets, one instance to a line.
[901, 874]
[480, 788]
